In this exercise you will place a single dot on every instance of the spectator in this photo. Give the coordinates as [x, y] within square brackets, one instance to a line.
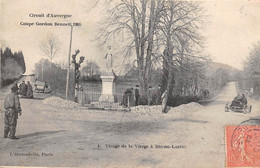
[15, 85]
[158, 95]
[23, 89]
[150, 95]
[137, 95]
[164, 101]
[131, 98]
[127, 96]
[29, 93]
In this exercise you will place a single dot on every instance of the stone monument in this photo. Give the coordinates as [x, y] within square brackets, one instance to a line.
[107, 77]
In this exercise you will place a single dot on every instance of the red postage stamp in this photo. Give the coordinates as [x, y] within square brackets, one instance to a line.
[243, 146]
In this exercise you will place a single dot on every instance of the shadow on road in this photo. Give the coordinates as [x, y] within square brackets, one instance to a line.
[40, 133]
[189, 120]
[213, 102]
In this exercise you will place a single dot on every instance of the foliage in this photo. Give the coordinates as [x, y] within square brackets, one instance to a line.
[252, 70]
[12, 66]
[54, 75]
[50, 46]
[146, 28]
[91, 72]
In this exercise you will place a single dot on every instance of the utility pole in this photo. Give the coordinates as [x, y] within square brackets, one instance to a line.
[68, 69]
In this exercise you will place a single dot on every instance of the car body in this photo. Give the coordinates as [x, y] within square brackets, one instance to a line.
[40, 86]
[238, 108]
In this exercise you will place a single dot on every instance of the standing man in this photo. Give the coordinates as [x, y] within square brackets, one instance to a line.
[15, 85]
[126, 97]
[129, 97]
[23, 89]
[158, 95]
[150, 95]
[137, 95]
[12, 108]
[29, 93]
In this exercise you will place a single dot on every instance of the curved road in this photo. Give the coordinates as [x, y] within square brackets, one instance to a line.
[50, 136]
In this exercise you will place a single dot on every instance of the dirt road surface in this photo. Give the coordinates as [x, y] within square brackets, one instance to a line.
[51, 136]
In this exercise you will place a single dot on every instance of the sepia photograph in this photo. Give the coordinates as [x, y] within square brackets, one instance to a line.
[130, 83]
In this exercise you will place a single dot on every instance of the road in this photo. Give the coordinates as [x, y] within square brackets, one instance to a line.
[85, 138]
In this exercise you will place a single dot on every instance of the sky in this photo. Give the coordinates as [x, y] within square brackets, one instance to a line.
[232, 28]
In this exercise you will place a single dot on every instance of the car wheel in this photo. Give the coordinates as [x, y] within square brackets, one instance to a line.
[247, 109]
[250, 109]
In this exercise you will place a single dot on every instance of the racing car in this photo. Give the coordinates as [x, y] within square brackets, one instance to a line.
[238, 105]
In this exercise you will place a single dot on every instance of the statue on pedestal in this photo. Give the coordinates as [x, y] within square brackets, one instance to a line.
[107, 78]
[109, 60]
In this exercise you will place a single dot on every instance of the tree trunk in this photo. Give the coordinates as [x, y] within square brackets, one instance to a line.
[138, 39]
[170, 77]
[72, 84]
[150, 45]
[165, 71]
[142, 78]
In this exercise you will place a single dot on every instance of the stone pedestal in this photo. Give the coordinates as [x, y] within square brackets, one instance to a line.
[107, 87]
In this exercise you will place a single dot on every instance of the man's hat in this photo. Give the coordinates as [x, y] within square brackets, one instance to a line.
[14, 89]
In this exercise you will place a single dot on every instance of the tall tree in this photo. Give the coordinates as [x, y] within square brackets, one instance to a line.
[50, 46]
[12, 66]
[137, 21]
[178, 34]
[91, 69]
[252, 69]
[160, 31]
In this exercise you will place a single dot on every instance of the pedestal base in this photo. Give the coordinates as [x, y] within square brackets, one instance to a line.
[106, 98]
[107, 87]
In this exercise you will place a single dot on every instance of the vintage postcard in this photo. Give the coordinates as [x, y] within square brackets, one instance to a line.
[130, 83]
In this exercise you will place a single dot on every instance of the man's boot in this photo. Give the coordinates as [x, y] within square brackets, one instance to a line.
[12, 134]
[6, 131]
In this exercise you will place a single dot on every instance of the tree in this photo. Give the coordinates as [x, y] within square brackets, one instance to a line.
[178, 34]
[12, 66]
[91, 69]
[54, 76]
[160, 31]
[252, 69]
[20, 59]
[50, 46]
[138, 24]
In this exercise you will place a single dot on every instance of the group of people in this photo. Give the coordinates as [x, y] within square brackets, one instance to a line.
[131, 96]
[155, 96]
[25, 90]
